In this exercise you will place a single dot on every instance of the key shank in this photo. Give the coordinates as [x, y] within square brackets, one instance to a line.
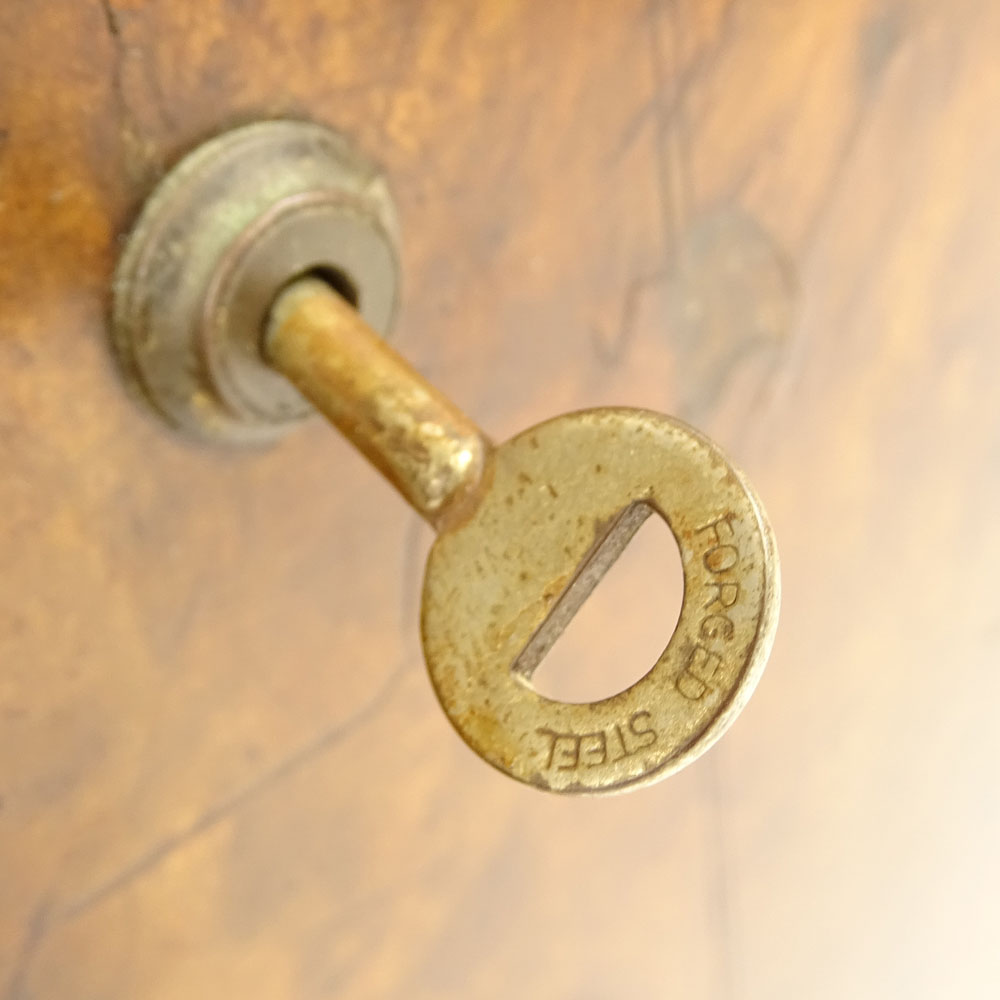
[420, 441]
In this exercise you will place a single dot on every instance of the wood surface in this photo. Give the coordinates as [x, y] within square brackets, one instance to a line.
[222, 768]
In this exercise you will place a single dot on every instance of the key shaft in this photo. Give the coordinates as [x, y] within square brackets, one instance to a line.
[412, 433]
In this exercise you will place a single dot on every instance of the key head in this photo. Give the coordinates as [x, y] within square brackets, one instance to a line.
[561, 501]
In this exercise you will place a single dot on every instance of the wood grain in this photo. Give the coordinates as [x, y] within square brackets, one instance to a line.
[222, 768]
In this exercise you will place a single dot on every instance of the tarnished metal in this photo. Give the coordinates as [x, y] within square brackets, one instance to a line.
[525, 532]
[241, 216]
[563, 500]
[430, 451]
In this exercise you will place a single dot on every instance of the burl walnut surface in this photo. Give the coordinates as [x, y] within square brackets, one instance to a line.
[222, 768]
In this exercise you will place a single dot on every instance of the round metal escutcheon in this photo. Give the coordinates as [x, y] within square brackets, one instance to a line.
[230, 226]
[492, 583]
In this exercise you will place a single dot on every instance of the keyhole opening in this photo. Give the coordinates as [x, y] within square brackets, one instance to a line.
[623, 627]
[339, 281]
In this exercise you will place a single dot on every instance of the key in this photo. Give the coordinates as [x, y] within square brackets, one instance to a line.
[525, 531]
[257, 281]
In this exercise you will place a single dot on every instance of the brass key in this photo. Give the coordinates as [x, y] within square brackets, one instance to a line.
[525, 530]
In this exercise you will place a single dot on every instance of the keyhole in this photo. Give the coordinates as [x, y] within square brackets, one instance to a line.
[623, 626]
[340, 281]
